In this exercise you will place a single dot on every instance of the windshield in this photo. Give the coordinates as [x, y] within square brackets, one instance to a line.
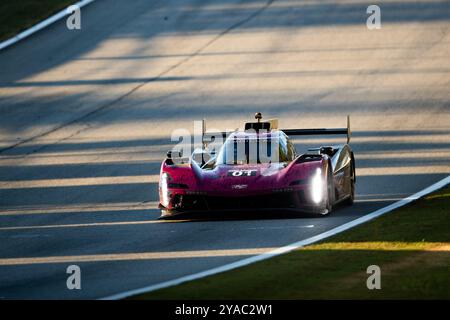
[255, 150]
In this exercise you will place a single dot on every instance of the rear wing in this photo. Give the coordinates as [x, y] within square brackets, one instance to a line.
[208, 137]
[333, 131]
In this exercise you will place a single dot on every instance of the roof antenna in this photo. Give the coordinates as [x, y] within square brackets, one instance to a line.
[258, 116]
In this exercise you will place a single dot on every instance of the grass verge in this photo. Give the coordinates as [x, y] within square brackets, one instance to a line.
[18, 15]
[411, 246]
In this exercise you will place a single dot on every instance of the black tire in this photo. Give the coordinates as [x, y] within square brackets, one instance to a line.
[330, 193]
[352, 181]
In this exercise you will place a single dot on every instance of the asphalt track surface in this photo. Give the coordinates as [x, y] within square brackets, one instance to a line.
[86, 118]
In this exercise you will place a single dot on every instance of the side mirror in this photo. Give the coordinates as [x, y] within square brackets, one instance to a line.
[174, 155]
[178, 154]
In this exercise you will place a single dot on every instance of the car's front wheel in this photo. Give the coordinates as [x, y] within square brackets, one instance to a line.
[352, 180]
[329, 196]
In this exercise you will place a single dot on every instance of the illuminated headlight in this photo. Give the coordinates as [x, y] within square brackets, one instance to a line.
[164, 188]
[317, 186]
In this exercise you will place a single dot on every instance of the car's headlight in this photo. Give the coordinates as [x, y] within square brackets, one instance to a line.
[164, 188]
[317, 186]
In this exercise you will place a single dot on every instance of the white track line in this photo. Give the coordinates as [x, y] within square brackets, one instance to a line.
[41, 25]
[284, 249]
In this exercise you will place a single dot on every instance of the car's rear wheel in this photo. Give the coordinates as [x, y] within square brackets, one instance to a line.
[328, 207]
[352, 180]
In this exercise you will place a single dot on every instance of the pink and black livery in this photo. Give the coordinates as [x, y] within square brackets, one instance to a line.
[231, 178]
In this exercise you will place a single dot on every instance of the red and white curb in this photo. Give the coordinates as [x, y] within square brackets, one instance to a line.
[285, 249]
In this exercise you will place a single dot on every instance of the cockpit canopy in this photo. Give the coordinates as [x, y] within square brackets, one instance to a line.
[243, 148]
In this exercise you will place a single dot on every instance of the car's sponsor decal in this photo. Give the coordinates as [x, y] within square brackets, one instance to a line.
[242, 173]
[239, 186]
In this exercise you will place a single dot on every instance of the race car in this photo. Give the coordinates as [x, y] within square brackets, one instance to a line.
[258, 168]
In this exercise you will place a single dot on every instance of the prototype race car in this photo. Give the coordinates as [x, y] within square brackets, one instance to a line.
[258, 168]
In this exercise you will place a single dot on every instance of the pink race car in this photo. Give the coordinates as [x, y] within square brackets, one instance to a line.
[258, 168]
